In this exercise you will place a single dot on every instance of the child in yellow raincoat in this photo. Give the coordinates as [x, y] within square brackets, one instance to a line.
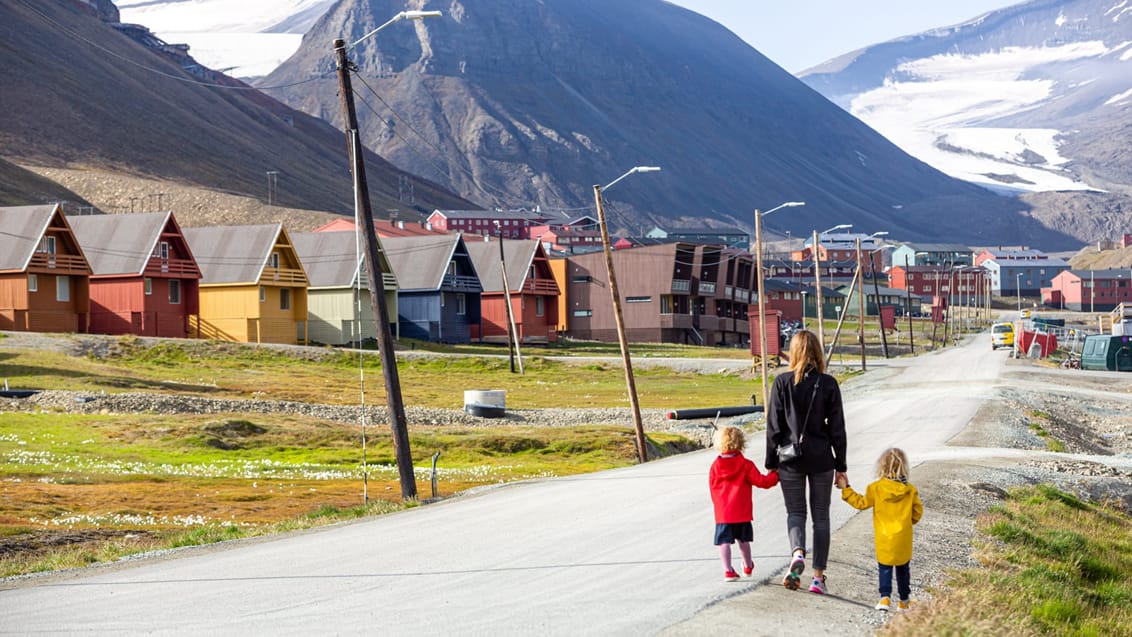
[896, 507]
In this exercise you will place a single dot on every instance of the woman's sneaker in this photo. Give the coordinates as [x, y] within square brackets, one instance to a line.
[793, 579]
[818, 585]
[884, 604]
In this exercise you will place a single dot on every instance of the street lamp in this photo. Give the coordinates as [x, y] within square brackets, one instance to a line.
[642, 451]
[1018, 289]
[817, 278]
[759, 278]
[398, 423]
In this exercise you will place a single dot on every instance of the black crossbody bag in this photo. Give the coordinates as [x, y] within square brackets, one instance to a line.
[793, 450]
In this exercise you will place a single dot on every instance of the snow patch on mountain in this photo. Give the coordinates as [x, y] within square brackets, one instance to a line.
[249, 38]
[938, 110]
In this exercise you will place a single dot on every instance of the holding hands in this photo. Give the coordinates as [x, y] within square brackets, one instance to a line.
[841, 480]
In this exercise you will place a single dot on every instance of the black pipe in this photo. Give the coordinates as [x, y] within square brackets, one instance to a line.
[711, 412]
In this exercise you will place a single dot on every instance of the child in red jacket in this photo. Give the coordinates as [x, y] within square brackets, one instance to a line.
[730, 480]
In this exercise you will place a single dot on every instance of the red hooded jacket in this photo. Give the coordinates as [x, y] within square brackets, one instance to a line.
[730, 480]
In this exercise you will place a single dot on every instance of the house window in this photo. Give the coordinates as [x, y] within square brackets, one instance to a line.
[540, 306]
[581, 279]
[161, 250]
[47, 244]
[33, 283]
[148, 286]
[666, 303]
[262, 294]
[63, 289]
[273, 261]
[638, 299]
[461, 304]
[285, 298]
[174, 292]
[583, 313]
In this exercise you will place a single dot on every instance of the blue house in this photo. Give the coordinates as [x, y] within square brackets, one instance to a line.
[438, 295]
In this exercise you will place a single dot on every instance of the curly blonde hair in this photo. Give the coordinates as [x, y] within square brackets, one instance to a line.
[893, 464]
[730, 440]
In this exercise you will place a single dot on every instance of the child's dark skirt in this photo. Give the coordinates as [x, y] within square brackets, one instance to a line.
[731, 532]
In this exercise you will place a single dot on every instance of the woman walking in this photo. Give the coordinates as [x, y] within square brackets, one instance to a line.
[805, 442]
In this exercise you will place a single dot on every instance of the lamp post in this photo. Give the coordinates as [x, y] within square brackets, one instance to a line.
[759, 278]
[817, 277]
[397, 420]
[1018, 289]
[642, 451]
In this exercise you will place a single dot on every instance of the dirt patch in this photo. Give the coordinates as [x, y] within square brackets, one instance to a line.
[35, 542]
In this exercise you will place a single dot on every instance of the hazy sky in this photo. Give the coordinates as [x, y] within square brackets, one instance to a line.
[798, 34]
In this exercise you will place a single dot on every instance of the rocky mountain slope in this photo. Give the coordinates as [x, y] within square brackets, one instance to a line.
[1033, 98]
[80, 93]
[515, 103]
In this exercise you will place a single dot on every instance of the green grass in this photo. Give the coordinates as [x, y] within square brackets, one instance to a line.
[1052, 564]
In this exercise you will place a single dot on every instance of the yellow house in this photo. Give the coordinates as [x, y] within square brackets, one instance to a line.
[253, 288]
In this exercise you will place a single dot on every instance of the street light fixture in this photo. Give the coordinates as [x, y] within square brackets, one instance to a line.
[398, 423]
[759, 278]
[630, 383]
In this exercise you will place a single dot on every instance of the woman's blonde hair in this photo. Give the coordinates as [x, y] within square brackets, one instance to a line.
[805, 353]
[730, 440]
[893, 464]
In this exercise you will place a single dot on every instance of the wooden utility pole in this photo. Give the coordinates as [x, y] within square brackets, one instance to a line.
[861, 303]
[817, 282]
[762, 308]
[398, 423]
[512, 332]
[908, 290]
[876, 293]
[607, 247]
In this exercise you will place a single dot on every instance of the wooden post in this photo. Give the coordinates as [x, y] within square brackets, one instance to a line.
[642, 451]
[512, 336]
[817, 282]
[861, 303]
[762, 309]
[398, 423]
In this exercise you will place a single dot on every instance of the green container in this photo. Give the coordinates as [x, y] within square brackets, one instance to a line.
[1104, 352]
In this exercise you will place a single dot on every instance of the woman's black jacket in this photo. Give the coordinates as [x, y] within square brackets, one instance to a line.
[823, 447]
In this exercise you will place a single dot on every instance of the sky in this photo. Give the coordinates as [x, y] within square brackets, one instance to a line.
[798, 34]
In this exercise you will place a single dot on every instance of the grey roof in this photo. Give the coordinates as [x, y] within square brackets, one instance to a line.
[1102, 274]
[421, 262]
[330, 258]
[21, 228]
[938, 247]
[517, 253]
[488, 214]
[1030, 263]
[232, 254]
[118, 244]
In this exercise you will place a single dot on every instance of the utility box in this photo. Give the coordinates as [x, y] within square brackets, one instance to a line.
[773, 333]
[1105, 352]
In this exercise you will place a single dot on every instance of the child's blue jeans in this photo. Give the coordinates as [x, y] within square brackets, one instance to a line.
[903, 580]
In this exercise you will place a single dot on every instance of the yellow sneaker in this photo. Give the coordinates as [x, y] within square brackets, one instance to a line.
[884, 604]
[904, 605]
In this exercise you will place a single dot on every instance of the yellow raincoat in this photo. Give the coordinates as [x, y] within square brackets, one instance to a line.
[896, 507]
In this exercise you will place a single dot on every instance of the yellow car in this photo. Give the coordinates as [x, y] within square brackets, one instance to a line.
[1002, 335]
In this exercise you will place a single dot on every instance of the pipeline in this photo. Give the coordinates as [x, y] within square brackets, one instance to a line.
[712, 412]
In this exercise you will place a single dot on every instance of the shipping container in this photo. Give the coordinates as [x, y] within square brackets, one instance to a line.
[1107, 352]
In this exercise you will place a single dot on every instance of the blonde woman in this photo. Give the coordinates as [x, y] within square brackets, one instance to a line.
[896, 508]
[805, 443]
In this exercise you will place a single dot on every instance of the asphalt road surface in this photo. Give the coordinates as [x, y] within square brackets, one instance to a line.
[627, 551]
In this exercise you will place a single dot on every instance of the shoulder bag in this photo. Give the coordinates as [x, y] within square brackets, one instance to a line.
[793, 450]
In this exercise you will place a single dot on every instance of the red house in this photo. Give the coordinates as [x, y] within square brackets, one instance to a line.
[144, 279]
[43, 273]
[534, 293]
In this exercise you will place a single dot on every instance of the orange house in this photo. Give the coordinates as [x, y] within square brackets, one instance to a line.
[533, 290]
[253, 288]
[144, 279]
[44, 277]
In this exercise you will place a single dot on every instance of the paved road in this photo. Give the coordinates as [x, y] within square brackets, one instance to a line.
[621, 552]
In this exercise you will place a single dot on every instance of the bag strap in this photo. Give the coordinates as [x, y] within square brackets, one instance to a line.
[802, 433]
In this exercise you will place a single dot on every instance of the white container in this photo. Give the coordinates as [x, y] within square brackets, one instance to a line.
[1122, 328]
[485, 397]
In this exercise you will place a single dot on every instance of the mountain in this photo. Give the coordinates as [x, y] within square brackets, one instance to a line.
[1033, 98]
[79, 92]
[21, 187]
[516, 103]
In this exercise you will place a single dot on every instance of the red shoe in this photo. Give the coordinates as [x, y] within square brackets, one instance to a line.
[747, 572]
[731, 576]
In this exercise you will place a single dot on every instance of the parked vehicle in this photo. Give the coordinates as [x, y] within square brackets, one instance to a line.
[1107, 352]
[1002, 335]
